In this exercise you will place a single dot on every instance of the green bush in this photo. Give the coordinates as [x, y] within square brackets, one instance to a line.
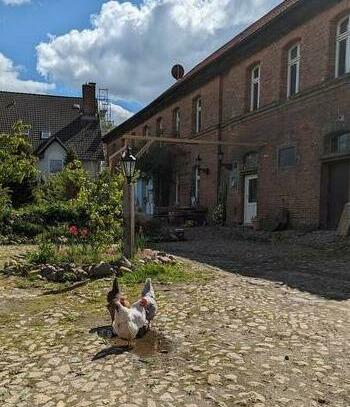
[46, 253]
[5, 203]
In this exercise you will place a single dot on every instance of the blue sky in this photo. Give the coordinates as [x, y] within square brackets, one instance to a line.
[127, 47]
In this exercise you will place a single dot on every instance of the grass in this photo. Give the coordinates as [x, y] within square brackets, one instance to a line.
[6, 252]
[163, 274]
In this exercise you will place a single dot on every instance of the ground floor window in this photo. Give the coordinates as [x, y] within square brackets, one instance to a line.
[55, 166]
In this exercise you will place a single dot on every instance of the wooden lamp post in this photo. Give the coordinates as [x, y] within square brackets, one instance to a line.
[128, 167]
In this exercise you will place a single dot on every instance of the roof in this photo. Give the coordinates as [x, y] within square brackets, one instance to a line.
[246, 36]
[56, 114]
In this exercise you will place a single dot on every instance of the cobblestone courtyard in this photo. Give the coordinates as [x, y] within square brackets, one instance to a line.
[275, 331]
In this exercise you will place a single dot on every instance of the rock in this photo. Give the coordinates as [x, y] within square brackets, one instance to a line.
[122, 270]
[214, 379]
[101, 270]
[124, 262]
[49, 272]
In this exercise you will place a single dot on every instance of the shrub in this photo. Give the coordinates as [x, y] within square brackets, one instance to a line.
[5, 203]
[46, 253]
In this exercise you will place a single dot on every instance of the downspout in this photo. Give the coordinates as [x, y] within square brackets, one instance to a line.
[219, 149]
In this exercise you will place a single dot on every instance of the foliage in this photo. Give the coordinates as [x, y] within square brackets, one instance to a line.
[81, 254]
[70, 157]
[162, 273]
[5, 203]
[17, 161]
[218, 214]
[65, 185]
[45, 253]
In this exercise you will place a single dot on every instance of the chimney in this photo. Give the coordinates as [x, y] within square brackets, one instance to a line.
[89, 99]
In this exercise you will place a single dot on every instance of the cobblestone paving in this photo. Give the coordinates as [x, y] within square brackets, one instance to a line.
[231, 341]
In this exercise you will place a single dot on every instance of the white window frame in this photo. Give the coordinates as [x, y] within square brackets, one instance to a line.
[255, 81]
[177, 120]
[340, 38]
[146, 131]
[159, 124]
[45, 134]
[198, 124]
[294, 62]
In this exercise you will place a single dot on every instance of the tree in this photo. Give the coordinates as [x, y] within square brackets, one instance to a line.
[18, 165]
[17, 161]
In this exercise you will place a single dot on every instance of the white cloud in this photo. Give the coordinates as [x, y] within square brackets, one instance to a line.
[130, 49]
[15, 2]
[119, 114]
[10, 79]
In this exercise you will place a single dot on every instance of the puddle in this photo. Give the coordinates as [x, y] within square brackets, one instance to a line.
[151, 344]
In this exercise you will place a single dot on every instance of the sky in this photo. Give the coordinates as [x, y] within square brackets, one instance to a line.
[54, 46]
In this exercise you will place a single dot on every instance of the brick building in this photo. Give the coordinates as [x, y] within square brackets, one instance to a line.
[282, 86]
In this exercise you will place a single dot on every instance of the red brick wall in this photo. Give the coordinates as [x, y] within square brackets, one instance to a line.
[304, 121]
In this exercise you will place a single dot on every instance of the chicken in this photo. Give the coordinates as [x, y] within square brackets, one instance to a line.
[113, 296]
[148, 293]
[128, 322]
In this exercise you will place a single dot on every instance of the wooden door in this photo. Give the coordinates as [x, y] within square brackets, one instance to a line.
[338, 191]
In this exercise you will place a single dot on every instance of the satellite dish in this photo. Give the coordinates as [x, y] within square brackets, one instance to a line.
[177, 71]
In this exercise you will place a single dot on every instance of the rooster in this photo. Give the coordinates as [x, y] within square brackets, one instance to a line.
[127, 323]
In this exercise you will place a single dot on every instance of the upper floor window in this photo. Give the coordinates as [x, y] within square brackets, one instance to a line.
[176, 121]
[340, 143]
[255, 88]
[251, 161]
[159, 127]
[146, 131]
[198, 114]
[343, 47]
[293, 70]
[45, 134]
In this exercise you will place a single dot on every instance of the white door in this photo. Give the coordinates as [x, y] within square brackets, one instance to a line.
[250, 198]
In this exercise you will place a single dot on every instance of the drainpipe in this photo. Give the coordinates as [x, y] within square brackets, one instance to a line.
[219, 149]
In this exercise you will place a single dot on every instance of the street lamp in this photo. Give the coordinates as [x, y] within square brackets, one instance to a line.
[128, 167]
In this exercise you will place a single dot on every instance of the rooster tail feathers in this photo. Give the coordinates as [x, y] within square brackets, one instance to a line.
[148, 289]
[115, 289]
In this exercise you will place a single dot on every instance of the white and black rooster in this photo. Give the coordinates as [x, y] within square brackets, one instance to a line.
[128, 322]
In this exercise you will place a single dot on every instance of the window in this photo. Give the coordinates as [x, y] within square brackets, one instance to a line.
[198, 114]
[343, 47]
[55, 166]
[45, 134]
[235, 176]
[146, 131]
[159, 127]
[287, 157]
[293, 70]
[176, 121]
[255, 89]
[340, 143]
[251, 161]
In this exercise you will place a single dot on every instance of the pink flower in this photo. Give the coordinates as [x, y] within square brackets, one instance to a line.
[73, 230]
[84, 232]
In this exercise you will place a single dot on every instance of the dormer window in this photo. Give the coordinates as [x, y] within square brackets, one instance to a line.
[343, 47]
[45, 134]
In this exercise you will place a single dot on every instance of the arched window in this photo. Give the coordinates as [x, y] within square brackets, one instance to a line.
[197, 114]
[293, 70]
[250, 161]
[343, 47]
[340, 143]
[146, 131]
[255, 88]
